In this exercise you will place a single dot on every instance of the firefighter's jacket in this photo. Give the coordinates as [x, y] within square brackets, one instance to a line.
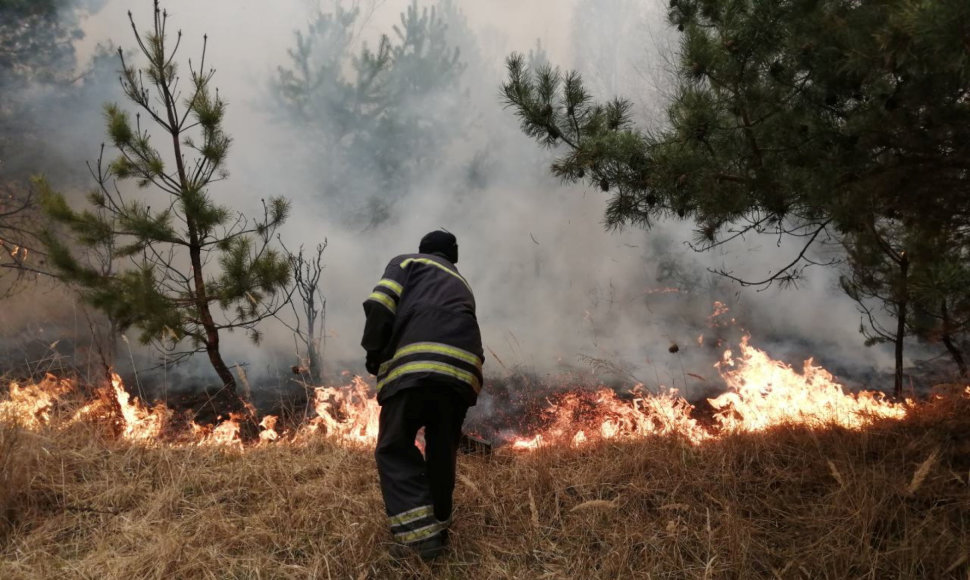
[421, 325]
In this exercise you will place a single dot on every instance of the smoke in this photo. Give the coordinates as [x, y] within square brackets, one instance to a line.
[555, 291]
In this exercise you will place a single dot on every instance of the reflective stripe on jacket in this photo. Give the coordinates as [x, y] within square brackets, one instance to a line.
[421, 320]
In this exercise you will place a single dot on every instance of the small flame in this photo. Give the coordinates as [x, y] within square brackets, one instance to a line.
[134, 420]
[16, 251]
[269, 434]
[226, 433]
[579, 417]
[720, 309]
[141, 423]
[32, 405]
[349, 413]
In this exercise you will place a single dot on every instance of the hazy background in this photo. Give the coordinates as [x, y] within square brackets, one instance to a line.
[554, 289]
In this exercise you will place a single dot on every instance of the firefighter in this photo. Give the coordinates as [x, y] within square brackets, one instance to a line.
[424, 345]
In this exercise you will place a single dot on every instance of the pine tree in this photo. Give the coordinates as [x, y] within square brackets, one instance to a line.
[812, 119]
[188, 268]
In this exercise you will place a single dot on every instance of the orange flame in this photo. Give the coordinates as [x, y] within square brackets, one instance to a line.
[226, 433]
[766, 393]
[348, 414]
[134, 420]
[32, 405]
[762, 393]
[580, 417]
[714, 319]
[269, 434]
[140, 422]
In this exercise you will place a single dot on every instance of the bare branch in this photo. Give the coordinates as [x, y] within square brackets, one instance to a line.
[787, 272]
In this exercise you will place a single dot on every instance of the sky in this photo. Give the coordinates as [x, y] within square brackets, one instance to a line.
[554, 289]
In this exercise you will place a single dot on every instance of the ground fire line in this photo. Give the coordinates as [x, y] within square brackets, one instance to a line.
[761, 393]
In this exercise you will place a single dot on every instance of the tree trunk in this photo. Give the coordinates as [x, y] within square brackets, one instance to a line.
[901, 326]
[948, 342]
[956, 354]
[900, 334]
[215, 357]
[311, 343]
[205, 316]
[199, 293]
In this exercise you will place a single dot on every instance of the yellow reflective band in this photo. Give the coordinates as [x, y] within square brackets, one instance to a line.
[438, 348]
[411, 515]
[385, 300]
[430, 367]
[421, 533]
[431, 262]
[392, 286]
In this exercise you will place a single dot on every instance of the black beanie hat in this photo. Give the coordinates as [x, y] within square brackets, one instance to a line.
[442, 242]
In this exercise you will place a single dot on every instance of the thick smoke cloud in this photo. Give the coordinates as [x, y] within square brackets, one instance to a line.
[554, 289]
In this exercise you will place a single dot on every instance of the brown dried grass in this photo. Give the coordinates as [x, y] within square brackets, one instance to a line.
[890, 502]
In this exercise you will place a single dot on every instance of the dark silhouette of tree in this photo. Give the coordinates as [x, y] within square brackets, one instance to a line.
[377, 119]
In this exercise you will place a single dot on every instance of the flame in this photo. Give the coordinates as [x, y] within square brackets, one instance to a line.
[32, 405]
[715, 318]
[269, 434]
[141, 423]
[135, 421]
[349, 414]
[576, 418]
[226, 433]
[765, 393]
[761, 393]
[16, 251]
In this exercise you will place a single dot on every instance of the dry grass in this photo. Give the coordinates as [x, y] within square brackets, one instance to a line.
[890, 502]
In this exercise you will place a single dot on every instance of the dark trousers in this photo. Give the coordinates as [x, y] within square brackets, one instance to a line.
[409, 481]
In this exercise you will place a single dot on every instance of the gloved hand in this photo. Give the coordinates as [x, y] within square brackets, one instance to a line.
[373, 363]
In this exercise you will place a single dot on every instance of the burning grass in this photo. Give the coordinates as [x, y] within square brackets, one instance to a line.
[790, 476]
[889, 500]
